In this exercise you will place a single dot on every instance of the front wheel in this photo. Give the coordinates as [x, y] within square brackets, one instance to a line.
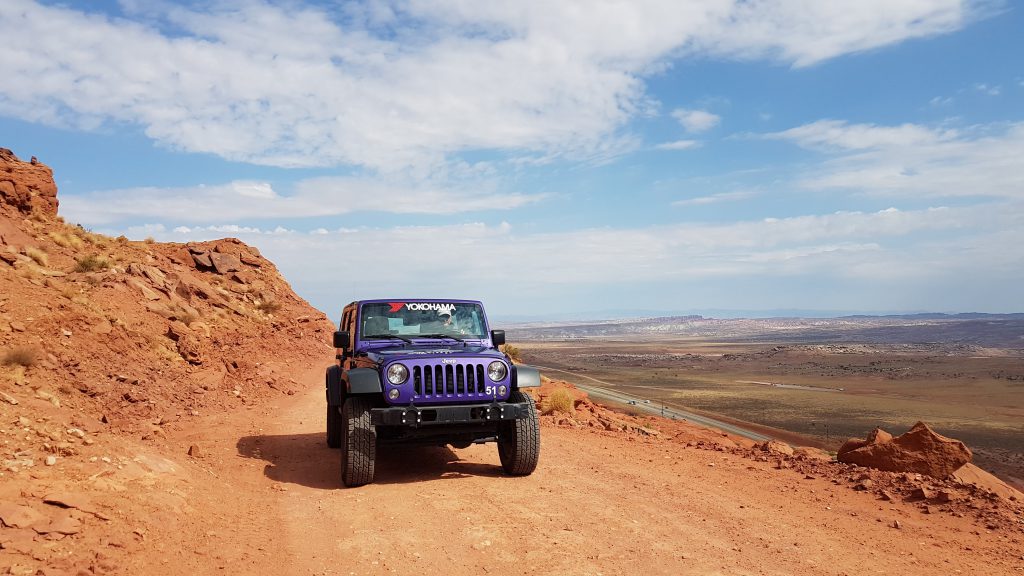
[358, 442]
[519, 440]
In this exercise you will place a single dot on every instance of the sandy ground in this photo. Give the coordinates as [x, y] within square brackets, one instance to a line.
[266, 499]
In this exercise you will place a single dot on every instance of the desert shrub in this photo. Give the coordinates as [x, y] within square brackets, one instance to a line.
[21, 356]
[91, 263]
[560, 400]
[150, 240]
[513, 352]
[38, 255]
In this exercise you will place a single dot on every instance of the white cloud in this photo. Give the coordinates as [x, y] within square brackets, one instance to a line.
[806, 33]
[715, 198]
[328, 196]
[921, 251]
[694, 121]
[839, 135]
[404, 84]
[483, 253]
[988, 89]
[912, 160]
[679, 145]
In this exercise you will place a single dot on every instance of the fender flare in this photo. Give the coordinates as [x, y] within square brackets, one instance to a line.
[335, 391]
[525, 377]
[362, 381]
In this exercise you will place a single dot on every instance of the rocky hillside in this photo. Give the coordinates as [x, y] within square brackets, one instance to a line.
[108, 345]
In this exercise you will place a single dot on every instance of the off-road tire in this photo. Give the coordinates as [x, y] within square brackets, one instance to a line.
[358, 442]
[519, 440]
[333, 426]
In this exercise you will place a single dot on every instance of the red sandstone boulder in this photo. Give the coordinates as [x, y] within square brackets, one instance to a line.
[876, 436]
[920, 450]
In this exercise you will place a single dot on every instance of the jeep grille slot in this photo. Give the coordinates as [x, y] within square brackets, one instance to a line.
[442, 381]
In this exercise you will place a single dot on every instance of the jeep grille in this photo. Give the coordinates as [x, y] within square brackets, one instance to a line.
[449, 381]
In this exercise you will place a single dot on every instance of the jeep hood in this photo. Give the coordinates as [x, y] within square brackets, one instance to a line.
[420, 352]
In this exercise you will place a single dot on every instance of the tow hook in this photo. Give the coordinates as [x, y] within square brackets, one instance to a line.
[412, 414]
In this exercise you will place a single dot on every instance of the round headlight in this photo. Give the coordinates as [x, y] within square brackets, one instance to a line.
[496, 371]
[397, 374]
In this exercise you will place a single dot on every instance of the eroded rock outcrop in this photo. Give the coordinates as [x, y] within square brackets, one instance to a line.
[27, 186]
[920, 450]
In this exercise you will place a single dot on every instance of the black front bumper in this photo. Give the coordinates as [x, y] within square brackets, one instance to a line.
[417, 416]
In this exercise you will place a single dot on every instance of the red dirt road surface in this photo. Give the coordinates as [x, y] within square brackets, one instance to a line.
[266, 498]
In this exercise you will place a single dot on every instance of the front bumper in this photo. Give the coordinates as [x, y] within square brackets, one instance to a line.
[415, 416]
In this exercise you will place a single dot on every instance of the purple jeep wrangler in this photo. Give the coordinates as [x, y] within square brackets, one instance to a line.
[430, 372]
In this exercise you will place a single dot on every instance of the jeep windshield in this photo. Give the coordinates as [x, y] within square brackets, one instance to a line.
[426, 320]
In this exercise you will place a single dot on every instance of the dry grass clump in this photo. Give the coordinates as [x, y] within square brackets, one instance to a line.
[99, 240]
[560, 400]
[38, 255]
[268, 307]
[66, 240]
[28, 273]
[513, 352]
[26, 356]
[91, 263]
[186, 317]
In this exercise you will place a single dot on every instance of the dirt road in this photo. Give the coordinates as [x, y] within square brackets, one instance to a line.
[266, 499]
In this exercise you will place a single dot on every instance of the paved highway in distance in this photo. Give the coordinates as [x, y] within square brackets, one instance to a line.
[656, 409]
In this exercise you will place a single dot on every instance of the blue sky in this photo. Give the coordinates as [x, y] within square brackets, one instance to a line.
[548, 157]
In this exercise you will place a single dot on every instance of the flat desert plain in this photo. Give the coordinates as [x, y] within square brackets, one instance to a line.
[825, 392]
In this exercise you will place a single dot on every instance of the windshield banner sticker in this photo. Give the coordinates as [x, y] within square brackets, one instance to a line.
[422, 306]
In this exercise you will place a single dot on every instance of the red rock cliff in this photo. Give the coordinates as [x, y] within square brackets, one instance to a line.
[27, 186]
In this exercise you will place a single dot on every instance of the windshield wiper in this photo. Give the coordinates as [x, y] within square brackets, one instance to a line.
[440, 336]
[387, 337]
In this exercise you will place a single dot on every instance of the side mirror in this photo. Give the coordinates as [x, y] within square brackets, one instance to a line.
[497, 337]
[341, 339]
